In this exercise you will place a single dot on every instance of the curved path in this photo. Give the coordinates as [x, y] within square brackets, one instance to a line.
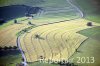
[20, 48]
[70, 2]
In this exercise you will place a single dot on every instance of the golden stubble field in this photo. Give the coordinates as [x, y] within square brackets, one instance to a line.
[8, 35]
[56, 41]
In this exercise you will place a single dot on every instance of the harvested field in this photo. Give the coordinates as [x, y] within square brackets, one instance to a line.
[54, 41]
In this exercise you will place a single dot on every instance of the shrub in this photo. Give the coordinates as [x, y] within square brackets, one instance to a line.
[15, 21]
[9, 47]
[89, 24]
[15, 47]
[29, 23]
[6, 48]
[1, 48]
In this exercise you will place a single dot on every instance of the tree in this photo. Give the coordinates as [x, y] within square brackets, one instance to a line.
[9, 47]
[89, 24]
[29, 23]
[6, 48]
[24, 30]
[32, 16]
[15, 21]
[41, 57]
[15, 47]
[1, 48]
[37, 36]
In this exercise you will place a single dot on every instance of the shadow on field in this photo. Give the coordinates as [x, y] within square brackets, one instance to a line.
[9, 52]
[15, 11]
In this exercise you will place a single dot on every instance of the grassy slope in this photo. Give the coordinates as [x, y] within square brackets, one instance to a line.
[46, 4]
[42, 64]
[6, 24]
[10, 22]
[92, 33]
[41, 3]
[90, 9]
[90, 48]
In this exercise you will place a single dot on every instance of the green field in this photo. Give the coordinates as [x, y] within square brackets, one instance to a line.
[51, 9]
[42, 3]
[90, 9]
[90, 48]
[42, 64]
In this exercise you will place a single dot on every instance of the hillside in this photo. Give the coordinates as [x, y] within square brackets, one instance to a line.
[53, 11]
[91, 9]
[55, 31]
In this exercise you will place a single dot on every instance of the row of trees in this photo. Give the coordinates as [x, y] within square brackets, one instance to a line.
[30, 23]
[16, 22]
[9, 48]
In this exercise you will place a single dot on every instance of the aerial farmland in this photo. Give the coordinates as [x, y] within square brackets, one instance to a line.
[49, 33]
